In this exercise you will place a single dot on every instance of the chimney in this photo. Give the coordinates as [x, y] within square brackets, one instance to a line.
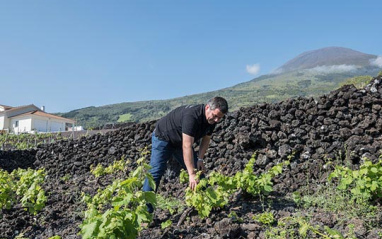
[43, 108]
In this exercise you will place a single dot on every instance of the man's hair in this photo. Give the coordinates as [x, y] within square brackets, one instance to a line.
[218, 103]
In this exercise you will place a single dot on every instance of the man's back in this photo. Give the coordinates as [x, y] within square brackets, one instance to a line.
[188, 119]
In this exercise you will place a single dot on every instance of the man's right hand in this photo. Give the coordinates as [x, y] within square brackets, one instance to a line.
[193, 182]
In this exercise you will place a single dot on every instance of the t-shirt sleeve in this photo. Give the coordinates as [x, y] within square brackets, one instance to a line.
[189, 124]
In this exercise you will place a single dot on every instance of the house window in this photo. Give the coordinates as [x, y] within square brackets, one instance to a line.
[17, 123]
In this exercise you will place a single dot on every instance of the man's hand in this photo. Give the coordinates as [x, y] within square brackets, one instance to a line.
[193, 182]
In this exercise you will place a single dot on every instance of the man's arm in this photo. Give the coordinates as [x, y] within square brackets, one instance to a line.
[204, 146]
[188, 157]
[202, 150]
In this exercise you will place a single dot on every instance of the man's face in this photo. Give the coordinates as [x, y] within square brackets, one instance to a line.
[213, 116]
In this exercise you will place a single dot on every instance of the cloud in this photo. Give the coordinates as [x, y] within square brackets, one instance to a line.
[376, 62]
[253, 69]
[333, 69]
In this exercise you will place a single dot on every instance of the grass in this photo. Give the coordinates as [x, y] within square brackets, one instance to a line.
[332, 198]
[172, 204]
[125, 118]
[329, 199]
[299, 226]
[347, 205]
[359, 82]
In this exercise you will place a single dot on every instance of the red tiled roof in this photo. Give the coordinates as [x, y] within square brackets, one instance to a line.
[6, 107]
[20, 107]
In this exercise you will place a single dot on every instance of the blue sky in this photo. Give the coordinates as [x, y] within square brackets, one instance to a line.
[71, 54]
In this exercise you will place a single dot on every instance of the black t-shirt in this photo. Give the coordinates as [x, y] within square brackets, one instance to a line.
[188, 119]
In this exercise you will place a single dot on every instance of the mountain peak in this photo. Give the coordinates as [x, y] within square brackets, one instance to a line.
[327, 56]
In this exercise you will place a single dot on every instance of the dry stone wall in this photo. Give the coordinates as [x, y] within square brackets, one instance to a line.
[10, 160]
[343, 125]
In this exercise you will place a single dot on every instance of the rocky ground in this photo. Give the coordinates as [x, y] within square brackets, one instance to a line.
[343, 127]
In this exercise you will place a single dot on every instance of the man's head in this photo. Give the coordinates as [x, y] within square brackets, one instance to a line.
[215, 109]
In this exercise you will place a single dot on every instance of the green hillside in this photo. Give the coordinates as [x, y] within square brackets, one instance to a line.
[267, 88]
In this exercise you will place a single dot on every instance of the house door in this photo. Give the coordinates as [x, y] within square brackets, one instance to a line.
[41, 125]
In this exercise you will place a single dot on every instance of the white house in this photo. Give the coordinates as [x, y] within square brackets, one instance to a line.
[31, 119]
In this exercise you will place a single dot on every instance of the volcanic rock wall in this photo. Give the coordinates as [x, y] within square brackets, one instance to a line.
[75, 157]
[10, 160]
[343, 125]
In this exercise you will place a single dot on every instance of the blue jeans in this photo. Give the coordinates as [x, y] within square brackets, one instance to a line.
[161, 152]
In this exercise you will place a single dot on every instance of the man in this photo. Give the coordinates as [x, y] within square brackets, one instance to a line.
[175, 134]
